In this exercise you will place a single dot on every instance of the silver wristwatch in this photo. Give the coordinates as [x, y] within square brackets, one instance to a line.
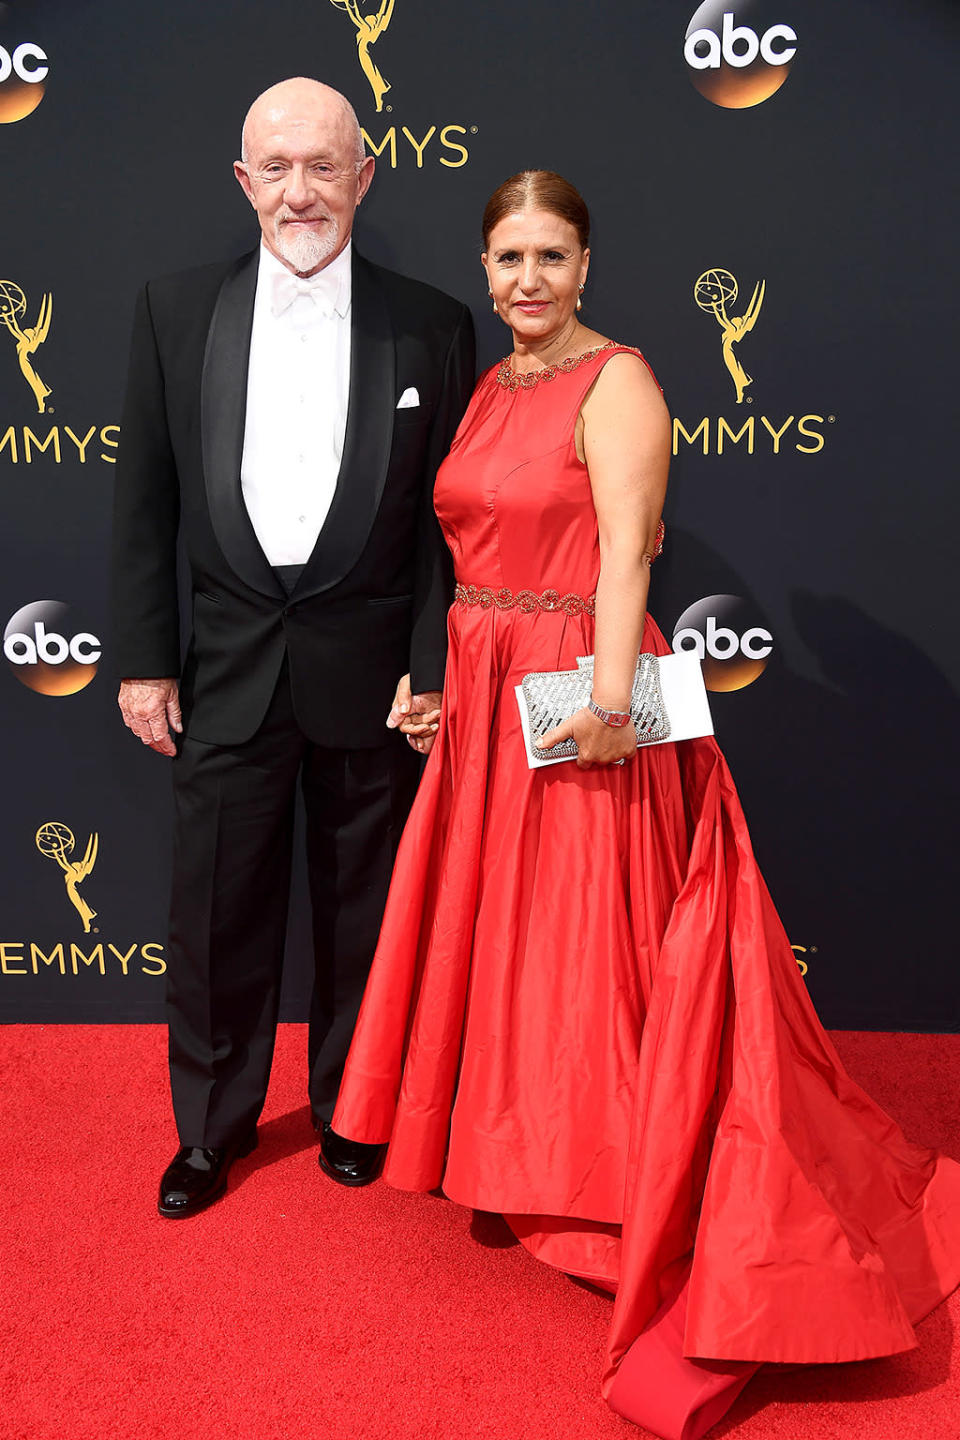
[616, 719]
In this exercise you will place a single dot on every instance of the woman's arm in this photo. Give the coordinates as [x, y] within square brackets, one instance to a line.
[623, 436]
[626, 446]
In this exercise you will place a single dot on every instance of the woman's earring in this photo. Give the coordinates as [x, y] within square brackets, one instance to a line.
[495, 310]
[579, 301]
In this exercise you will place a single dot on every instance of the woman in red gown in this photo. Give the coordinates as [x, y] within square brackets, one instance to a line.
[584, 1012]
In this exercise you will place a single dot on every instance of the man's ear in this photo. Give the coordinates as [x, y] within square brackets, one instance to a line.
[243, 179]
[365, 177]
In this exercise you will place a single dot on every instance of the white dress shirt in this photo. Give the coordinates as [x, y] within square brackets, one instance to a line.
[298, 386]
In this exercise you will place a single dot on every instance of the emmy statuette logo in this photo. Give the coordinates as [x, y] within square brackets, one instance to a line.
[369, 28]
[27, 338]
[55, 961]
[52, 442]
[56, 842]
[23, 70]
[392, 142]
[714, 291]
[739, 54]
[799, 431]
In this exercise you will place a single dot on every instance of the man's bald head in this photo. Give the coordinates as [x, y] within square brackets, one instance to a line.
[300, 98]
[303, 171]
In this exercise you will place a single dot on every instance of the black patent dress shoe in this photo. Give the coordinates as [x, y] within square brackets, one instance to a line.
[347, 1161]
[196, 1176]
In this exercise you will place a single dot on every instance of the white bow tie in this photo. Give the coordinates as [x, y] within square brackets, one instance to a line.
[286, 288]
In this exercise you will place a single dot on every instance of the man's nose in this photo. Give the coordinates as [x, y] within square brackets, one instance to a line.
[298, 191]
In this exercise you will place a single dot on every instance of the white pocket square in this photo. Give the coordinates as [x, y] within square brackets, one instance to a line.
[409, 398]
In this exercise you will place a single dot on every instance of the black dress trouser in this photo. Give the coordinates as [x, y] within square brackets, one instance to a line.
[233, 841]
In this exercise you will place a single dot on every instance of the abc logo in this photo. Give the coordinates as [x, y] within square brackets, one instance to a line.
[739, 54]
[45, 653]
[723, 631]
[22, 73]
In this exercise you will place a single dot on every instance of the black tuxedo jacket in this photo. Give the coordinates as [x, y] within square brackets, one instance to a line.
[371, 602]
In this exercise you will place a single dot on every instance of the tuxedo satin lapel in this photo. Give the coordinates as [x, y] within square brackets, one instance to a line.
[223, 405]
[367, 441]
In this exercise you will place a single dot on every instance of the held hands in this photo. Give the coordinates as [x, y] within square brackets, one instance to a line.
[151, 709]
[416, 716]
[597, 744]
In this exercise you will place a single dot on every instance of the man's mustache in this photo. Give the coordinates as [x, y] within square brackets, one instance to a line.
[286, 219]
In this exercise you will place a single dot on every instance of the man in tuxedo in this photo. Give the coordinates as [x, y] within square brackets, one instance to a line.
[285, 415]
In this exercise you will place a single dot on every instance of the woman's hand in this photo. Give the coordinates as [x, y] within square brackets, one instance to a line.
[416, 716]
[597, 744]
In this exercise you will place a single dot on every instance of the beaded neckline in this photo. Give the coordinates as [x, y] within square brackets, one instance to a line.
[511, 380]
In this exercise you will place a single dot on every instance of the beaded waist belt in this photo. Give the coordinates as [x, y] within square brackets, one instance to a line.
[526, 601]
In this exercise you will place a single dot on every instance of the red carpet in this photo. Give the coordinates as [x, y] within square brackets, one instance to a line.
[295, 1308]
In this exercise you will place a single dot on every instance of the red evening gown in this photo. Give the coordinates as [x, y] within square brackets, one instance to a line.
[584, 1012]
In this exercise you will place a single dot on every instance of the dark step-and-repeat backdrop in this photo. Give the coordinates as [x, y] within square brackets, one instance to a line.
[774, 224]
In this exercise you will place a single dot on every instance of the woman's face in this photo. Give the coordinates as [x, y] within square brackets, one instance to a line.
[535, 266]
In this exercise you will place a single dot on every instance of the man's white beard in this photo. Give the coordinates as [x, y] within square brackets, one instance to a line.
[305, 249]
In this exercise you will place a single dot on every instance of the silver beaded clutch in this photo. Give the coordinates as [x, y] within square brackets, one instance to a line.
[548, 697]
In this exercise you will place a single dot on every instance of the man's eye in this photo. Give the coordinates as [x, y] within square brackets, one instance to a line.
[553, 255]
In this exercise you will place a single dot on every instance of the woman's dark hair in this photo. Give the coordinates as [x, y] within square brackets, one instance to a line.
[537, 190]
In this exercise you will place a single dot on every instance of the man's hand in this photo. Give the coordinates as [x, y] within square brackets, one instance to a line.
[151, 709]
[416, 716]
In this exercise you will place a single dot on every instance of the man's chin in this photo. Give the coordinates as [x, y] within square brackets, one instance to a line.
[303, 252]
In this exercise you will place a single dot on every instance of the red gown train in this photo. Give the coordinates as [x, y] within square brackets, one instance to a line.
[584, 1012]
